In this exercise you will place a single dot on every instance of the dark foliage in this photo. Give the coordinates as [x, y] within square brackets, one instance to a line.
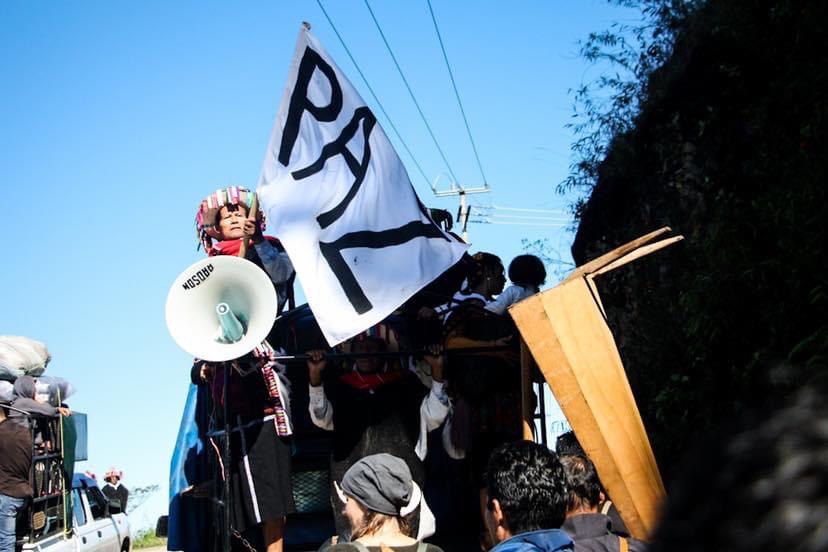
[721, 134]
[759, 488]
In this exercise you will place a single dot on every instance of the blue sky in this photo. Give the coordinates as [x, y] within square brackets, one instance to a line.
[117, 118]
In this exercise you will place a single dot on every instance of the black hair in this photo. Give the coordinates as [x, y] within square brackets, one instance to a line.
[485, 265]
[567, 445]
[582, 481]
[528, 481]
[232, 208]
[527, 270]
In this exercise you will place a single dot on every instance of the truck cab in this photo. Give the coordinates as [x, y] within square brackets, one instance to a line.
[96, 524]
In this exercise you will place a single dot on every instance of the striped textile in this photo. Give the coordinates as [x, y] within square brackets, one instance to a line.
[271, 371]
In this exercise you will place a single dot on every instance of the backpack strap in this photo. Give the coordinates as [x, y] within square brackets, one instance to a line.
[623, 545]
[605, 508]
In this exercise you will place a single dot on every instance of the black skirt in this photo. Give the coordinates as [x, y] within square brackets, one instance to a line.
[261, 475]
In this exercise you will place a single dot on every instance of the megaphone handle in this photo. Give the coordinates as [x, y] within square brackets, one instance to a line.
[251, 215]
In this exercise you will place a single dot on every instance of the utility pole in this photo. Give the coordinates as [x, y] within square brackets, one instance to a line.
[464, 209]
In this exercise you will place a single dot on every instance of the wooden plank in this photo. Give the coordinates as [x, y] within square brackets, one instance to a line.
[527, 411]
[616, 253]
[595, 295]
[637, 254]
[574, 348]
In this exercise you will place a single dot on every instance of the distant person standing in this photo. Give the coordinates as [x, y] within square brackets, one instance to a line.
[113, 489]
[15, 462]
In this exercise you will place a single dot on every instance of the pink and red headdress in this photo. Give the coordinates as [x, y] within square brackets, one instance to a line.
[208, 210]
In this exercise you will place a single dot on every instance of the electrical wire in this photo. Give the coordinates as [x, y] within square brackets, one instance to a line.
[410, 92]
[496, 214]
[555, 225]
[523, 217]
[519, 209]
[508, 218]
[476, 204]
[373, 94]
[457, 95]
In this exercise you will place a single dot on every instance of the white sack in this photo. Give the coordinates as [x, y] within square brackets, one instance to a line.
[22, 356]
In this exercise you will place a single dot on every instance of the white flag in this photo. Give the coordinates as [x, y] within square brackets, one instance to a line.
[338, 197]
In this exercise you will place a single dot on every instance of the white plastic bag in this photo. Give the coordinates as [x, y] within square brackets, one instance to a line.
[21, 356]
[49, 386]
[6, 391]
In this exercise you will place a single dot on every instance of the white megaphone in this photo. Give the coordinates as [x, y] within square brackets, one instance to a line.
[221, 308]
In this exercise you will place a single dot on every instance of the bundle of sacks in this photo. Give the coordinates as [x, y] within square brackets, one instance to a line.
[22, 356]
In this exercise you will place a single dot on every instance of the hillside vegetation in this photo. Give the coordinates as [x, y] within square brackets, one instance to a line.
[720, 133]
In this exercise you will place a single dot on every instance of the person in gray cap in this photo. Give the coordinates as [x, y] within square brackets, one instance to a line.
[379, 494]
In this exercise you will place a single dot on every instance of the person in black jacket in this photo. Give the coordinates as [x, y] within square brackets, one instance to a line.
[567, 445]
[113, 490]
[591, 530]
[375, 406]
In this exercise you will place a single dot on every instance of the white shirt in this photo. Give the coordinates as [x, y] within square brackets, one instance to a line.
[510, 296]
[433, 410]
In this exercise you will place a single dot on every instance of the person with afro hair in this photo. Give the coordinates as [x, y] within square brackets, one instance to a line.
[527, 274]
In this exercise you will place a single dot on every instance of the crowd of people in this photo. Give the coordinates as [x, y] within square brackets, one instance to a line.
[536, 501]
[403, 391]
[424, 412]
[426, 446]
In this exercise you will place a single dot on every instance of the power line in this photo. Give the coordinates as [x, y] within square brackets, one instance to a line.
[371, 90]
[410, 92]
[556, 225]
[457, 95]
[523, 217]
[520, 209]
[518, 213]
[478, 205]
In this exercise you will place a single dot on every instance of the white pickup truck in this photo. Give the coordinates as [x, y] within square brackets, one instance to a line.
[60, 519]
[96, 524]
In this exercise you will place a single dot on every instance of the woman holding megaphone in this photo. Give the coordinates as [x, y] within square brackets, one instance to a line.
[229, 222]
[249, 394]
